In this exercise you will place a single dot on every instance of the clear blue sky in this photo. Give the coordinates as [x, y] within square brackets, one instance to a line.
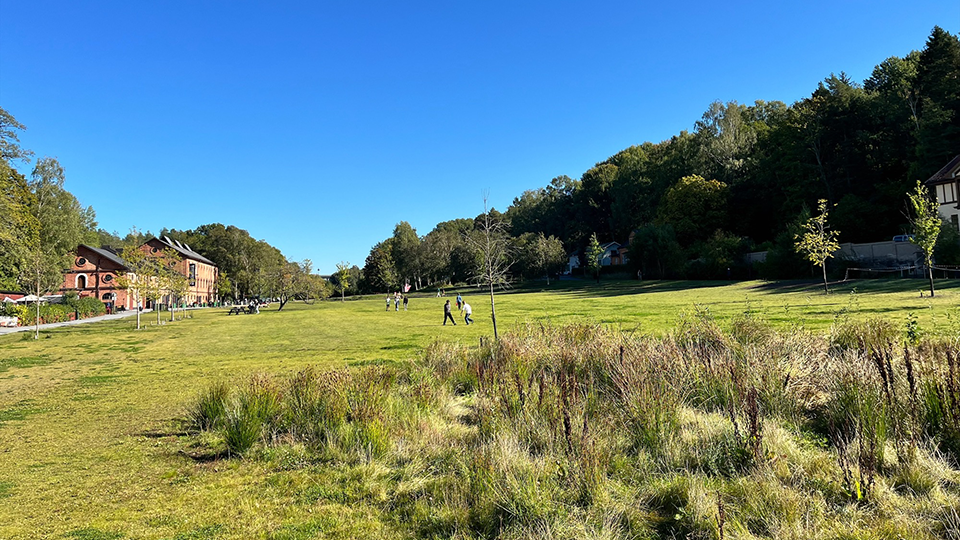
[317, 126]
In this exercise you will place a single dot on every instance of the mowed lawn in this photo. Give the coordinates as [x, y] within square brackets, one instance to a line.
[90, 443]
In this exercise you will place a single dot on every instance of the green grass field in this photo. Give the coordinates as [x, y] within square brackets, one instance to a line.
[91, 443]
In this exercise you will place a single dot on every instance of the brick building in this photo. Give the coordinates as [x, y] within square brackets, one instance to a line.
[201, 272]
[94, 273]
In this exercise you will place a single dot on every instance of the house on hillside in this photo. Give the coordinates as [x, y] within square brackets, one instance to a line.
[614, 254]
[201, 273]
[94, 273]
[946, 185]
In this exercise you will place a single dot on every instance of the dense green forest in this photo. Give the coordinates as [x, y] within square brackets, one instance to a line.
[742, 180]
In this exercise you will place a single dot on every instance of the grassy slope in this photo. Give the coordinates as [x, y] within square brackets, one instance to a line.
[88, 446]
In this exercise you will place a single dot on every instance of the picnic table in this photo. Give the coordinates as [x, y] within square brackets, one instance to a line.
[237, 310]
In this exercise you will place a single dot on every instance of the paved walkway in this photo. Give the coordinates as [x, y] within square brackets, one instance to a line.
[31, 328]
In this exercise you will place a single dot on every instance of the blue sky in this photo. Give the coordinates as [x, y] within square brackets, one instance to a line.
[317, 126]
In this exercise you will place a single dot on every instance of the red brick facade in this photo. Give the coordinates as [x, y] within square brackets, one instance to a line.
[200, 271]
[94, 273]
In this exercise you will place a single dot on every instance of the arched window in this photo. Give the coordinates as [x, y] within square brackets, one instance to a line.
[81, 281]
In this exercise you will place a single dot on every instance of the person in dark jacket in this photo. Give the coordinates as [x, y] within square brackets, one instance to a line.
[448, 314]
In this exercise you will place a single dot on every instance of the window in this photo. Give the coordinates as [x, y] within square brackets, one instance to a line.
[947, 193]
[81, 261]
[81, 281]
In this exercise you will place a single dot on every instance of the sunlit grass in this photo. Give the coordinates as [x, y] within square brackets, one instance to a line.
[89, 443]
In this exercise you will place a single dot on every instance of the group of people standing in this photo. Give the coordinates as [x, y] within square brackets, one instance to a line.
[462, 306]
[396, 298]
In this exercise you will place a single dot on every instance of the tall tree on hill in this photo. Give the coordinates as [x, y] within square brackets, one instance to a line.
[10, 149]
[726, 138]
[938, 87]
[818, 242]
[926, 222]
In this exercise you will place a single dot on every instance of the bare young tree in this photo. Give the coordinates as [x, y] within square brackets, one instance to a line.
[491, 246]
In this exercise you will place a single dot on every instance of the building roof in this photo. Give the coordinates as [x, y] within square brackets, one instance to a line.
[948, 173]
[106, 254]
[184, 250]
[610, 245]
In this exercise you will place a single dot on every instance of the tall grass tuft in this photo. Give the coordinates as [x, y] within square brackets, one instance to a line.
[209, 409]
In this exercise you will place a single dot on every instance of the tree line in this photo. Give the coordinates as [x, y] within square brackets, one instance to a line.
[746, 178]
[42, 223]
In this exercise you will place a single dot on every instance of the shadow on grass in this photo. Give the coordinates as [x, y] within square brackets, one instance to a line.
[207, 456]
[899, 285]
[611, 287]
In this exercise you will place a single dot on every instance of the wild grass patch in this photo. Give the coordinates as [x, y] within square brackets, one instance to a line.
[739, 433]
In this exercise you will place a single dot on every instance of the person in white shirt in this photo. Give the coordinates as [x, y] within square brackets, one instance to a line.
[467, 311]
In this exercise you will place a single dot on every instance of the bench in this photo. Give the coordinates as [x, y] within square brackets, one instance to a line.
[237, 310]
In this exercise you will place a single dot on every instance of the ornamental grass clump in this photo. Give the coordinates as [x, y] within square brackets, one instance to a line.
[209, 410]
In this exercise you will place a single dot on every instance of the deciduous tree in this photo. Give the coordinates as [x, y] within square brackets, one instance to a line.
[926, 223]
[818, 242]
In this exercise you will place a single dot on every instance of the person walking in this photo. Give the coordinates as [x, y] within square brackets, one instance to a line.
[448, 314]
[388, 302]
[405, 299]
[467, 312]
[459, 302]
[396, 300]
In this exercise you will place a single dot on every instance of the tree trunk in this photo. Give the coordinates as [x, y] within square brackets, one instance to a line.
[137, 307]
[824, 266]
[493, 312]
[36, 335]
[930, 272]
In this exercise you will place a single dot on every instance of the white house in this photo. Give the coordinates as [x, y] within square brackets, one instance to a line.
[946, 184]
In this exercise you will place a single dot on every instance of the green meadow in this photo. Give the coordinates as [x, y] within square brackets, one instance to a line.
[95, 442]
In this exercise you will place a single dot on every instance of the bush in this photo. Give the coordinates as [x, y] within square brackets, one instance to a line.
[49, 313]
[90, 307]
